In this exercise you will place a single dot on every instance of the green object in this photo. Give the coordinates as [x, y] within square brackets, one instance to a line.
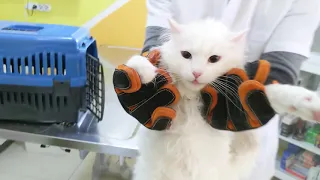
[312, 133]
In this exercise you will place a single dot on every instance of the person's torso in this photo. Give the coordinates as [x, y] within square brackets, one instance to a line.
[266, 15]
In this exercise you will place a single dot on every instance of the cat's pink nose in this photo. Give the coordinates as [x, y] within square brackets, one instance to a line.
[196, 74]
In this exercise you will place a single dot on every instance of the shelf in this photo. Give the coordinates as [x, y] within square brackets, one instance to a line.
[302, 144]
[312, 65]
[283, 175]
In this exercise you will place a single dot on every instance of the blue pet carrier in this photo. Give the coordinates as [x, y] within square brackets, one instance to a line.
[48, 73]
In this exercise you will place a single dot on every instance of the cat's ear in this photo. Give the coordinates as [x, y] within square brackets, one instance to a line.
[174, 26]
[239, 36]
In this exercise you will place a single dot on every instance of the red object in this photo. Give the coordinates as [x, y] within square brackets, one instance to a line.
[300, 176]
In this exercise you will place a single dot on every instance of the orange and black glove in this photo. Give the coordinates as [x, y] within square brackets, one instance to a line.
[148, 103]
[237, 100]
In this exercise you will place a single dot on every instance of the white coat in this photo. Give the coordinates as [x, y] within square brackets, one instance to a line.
[274, 25]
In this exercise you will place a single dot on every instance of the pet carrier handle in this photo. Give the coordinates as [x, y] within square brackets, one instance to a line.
[95, 90]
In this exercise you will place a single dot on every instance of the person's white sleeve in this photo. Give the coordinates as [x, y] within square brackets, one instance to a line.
[296, 30]
[159, 11]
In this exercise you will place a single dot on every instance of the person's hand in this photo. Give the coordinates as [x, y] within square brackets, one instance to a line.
[237, 101]
[148, 102]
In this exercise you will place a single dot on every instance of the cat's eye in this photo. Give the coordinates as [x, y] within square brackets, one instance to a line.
[186, 54]
[214, 59]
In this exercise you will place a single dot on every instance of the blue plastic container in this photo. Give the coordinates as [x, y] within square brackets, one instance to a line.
[48, 73]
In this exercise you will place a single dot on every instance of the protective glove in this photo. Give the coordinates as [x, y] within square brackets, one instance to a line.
[148, 103]
[237, 100]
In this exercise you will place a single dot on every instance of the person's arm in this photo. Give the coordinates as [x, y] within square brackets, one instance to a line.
[159, 11]
[290, 43]
[285, 66]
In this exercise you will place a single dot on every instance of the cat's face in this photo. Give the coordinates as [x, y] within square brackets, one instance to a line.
[198, 53]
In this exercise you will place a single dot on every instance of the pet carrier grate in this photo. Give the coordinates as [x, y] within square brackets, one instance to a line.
[95, 83]
[48, 75]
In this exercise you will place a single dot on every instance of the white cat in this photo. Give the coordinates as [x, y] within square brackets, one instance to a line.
[191, 149]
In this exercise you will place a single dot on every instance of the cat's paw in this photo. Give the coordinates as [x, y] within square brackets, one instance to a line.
[144, 68]
[294, 100]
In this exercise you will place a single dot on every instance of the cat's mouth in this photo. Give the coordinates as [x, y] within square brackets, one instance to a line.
[195, 82]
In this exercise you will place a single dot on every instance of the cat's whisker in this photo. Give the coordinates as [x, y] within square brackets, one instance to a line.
[228, 88]
[224, 94]
[235, 96]
[229, 85]
[221, 91]
[216, 86]
[238, 80]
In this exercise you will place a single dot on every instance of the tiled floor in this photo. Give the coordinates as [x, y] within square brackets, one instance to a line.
[17, 163]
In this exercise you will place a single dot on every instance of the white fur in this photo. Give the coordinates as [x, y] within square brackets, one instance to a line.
[283, 97]
[202, 39]
[142, 65]
[191, 149]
